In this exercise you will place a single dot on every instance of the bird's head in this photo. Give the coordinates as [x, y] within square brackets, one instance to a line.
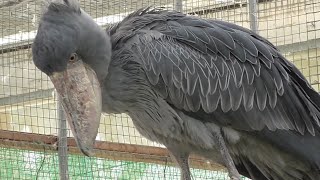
[75, 53]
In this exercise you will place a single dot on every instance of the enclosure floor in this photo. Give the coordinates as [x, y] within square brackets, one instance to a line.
[24, 164]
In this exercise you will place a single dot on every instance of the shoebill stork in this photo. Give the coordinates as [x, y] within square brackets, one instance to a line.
[197, 86]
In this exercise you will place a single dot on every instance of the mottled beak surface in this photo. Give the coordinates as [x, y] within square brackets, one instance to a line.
[80, 93]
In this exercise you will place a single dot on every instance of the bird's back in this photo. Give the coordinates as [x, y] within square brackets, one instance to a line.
[207, 72]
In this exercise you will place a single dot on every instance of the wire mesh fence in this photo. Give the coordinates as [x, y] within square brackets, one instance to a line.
[29, 116]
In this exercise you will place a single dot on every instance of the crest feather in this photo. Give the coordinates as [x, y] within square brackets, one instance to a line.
[73, 5]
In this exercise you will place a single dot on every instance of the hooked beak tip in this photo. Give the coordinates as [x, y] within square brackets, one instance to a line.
[86, 151]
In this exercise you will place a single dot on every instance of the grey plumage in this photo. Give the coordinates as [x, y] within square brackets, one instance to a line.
[215, 72]
[186, 82]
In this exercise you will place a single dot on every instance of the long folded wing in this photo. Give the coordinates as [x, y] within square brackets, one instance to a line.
[217, 71]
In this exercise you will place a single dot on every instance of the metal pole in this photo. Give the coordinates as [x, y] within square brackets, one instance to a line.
[178, 5]
[62, 142]
[253, 15]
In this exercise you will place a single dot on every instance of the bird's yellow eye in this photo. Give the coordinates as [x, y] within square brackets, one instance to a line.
[73, 57]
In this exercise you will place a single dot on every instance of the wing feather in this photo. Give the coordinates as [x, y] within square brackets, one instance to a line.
[223, 71]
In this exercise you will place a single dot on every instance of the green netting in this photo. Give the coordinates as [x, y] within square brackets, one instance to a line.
[25, 164]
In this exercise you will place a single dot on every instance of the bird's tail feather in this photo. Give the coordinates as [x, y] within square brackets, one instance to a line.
[306, 92]
[265, 161]
[259, 171]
